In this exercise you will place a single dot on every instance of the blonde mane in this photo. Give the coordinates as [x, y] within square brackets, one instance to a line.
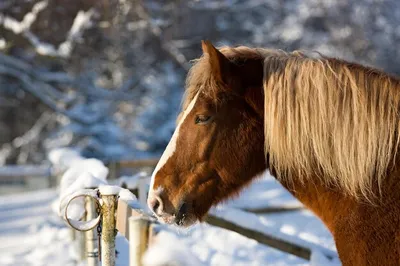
[323, 116]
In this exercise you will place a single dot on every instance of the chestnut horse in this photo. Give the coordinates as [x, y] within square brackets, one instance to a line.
[327, 129]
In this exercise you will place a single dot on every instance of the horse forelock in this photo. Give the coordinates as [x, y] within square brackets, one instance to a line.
[200, 77]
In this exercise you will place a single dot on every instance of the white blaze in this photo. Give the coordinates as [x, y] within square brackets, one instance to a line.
[169, 151]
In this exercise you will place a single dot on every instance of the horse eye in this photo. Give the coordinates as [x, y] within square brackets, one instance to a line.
[202, 119]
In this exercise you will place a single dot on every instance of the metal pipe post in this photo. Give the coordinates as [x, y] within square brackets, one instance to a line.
[108, 230]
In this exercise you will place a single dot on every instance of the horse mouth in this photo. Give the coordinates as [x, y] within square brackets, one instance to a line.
[183, 217]
[181, 214]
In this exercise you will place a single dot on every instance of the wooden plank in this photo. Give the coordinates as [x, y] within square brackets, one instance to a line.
[126, 210]
[113, 168]
[262, 238]
[139, 163]
[16, 171]
[273, 209]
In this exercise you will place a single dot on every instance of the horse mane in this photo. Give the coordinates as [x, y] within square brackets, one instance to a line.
[323, 116]
[330, 117]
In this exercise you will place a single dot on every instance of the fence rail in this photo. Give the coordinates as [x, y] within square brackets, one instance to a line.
[130, 219]
[25, 171]
[262, 238]
[27, 176]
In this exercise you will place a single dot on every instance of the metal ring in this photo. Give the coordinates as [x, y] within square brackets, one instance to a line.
[83, 225]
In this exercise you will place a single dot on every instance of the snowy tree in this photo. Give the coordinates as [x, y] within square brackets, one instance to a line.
[107, 76]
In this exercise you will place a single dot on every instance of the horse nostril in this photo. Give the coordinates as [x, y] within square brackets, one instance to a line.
[155, 204]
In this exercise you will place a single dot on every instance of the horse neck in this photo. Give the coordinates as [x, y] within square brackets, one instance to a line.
[359, 228]
[328, 203]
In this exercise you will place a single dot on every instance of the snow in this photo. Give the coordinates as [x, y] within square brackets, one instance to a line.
[264, 192]
[109, 190]
[208, 245]
[80, 177]
[298, 24]
[82, 21]
[72, 209]
[122, 193]
[132, 182]
[318, 259]
[84, 226]
[64, 157]
[79, 180]
[126, 195]
[167, 254]
[85, 173]
[29, 215]
[31, 234]
[30, 17]
[264, 225]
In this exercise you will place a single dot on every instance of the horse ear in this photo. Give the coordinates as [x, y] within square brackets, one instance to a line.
[220, 65]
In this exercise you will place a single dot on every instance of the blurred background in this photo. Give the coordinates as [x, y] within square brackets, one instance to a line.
[107, 76]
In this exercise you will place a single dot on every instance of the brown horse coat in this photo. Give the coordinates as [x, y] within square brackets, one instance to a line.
[329, 131]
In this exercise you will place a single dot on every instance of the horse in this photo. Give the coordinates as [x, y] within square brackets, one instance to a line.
[327, 129]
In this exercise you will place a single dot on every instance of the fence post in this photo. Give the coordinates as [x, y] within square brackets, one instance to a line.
[92, 252]
[138, 239]
[80, 242]
[81, 238]
[153, 231]
[108, 230]
[142, 191]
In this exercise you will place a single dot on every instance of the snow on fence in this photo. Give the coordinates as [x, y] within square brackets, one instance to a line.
[88, 203]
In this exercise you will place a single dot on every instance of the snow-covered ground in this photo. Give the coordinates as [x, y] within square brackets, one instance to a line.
[32, 234]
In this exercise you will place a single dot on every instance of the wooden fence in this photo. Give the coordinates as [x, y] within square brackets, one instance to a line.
[131, 220]
[138, 227]
[20, 174]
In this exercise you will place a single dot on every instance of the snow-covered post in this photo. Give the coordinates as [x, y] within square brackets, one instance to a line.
[92, 251]
[72, 217]
[108, 223]
[138, 239]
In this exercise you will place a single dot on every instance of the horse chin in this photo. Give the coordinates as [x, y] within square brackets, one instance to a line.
[186, 221]
[185, 216]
